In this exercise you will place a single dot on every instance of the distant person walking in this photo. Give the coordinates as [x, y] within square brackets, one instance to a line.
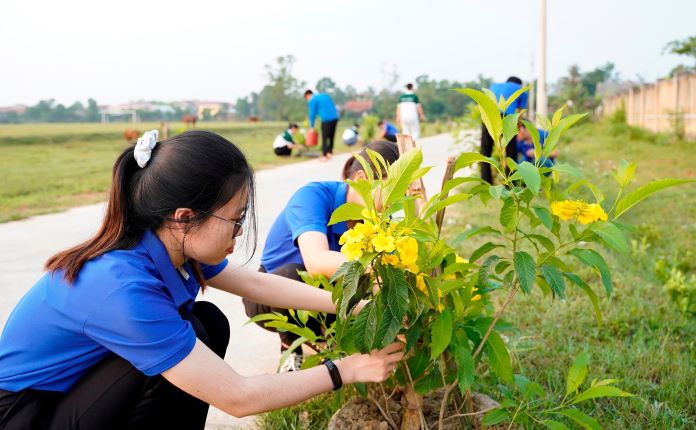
[408, 112]
[505, 89]
[322, 105]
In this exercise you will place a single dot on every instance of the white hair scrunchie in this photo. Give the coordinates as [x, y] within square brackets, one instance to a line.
[143, 149]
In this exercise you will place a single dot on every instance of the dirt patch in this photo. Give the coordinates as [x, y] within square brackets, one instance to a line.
[370, 414]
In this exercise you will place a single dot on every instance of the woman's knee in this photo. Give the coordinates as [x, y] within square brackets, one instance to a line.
[215, 324]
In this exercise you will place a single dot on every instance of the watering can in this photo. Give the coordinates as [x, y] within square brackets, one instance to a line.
[312, 137]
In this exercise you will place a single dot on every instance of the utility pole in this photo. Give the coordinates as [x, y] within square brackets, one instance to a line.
[541, 102]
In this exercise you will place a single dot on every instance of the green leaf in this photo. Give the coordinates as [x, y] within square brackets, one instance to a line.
[514, 96]
[498, 191]
[526, 270]
[544, 241]
[640, 193]
[508, 214]
[475, 232]
[554, 279]
[469, 158]
[401, 175]
[557, 116]
[534, 133]
[530, 175]
[389, 327]
[567, 169]
[529, 389]
[499, 357]
[555, 425]
[588, 291]
[624, 173]
[490, 114]
[418, 363]
[441, 333]
[485, 270]
[577, 373]
[611, 235]
[510, 127]
[483, 250]
[347, 212]
[456, 198]
[394, 285]
[350, 287]
[599, 391]
[378, 161]
[496, 416]
[364, 189]
[455, 182]
[595, 260]
[581, 418]
[292, 328]
[596, 192]
[466, 369]
[544, 215]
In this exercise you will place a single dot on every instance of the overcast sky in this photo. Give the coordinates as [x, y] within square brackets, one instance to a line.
[126, 50]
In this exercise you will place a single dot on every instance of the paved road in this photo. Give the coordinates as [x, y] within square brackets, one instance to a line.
[25, 246]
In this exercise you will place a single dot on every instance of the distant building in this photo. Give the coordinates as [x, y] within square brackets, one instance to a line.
[358, 107]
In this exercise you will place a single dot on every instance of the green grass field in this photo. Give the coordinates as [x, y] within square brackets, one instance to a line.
[49, 167]
[644, 341]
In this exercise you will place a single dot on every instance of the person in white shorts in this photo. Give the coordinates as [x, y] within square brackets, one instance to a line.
[408, 113]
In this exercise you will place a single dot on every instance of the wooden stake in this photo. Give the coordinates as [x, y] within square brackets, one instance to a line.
[449, 174]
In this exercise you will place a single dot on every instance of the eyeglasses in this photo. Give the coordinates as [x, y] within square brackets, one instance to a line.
[236, 222]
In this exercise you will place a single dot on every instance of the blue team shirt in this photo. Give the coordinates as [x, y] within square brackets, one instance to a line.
[506, 89]
[322, 105]
[124, 301]
[390, 129]
[309, 209]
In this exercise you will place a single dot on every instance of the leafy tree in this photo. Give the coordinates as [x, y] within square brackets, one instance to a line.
[281, 98]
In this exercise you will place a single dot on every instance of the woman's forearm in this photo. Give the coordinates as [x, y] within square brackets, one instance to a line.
[272, 290]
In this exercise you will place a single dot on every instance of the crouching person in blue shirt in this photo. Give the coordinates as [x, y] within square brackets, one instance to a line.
[525, 147]
[300, 239]
[112, 337]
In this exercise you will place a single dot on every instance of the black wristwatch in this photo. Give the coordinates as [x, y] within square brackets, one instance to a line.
[334, 373]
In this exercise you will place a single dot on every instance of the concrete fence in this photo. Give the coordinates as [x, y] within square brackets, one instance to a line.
[660, 105]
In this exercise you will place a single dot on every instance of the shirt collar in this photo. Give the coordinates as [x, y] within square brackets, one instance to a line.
[172, 279]
[339, 199]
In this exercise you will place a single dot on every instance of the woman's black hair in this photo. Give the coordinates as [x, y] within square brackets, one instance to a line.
[388, 150]
[196, 169]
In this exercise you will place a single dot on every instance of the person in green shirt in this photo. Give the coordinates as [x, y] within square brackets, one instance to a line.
[284, 143]
[408, 113]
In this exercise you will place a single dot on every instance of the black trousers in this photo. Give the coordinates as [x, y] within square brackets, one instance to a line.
[283, 151]
[328, 132]
[487, 145]
[115, 395]
[253, 308]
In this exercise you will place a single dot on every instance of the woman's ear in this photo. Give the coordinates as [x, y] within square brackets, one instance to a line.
[183, 215]
[358, 175]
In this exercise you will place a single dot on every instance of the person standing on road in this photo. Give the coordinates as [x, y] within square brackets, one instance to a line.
[408, 112]
[321, 104]
[504, 89]
[111, 337]
[301, 239]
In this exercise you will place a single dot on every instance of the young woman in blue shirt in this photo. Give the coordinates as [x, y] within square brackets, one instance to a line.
[301, 239]
[111, 337]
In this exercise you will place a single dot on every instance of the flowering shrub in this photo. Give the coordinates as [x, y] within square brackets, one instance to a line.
[448, 308]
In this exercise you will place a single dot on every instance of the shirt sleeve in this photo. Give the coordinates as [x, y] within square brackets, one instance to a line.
[140, 323]
[307, 211]
[312, 111]
[210, 271]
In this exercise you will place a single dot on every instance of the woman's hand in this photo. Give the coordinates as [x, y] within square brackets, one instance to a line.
[373, 367]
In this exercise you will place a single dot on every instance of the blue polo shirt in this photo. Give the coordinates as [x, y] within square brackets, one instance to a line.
[321, 104]
[309, 209]
[124, 301]
[506, 89]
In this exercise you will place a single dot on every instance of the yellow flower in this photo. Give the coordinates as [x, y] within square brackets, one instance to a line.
[408, 250]
[371, 215]
[350, 236]
[353, 251]
[565, 209]
[413, 268]
[476, 298]
[390, 259]
[586, 213]
[366, 228]
[383, 242]
[461, 259]
[420, 283]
